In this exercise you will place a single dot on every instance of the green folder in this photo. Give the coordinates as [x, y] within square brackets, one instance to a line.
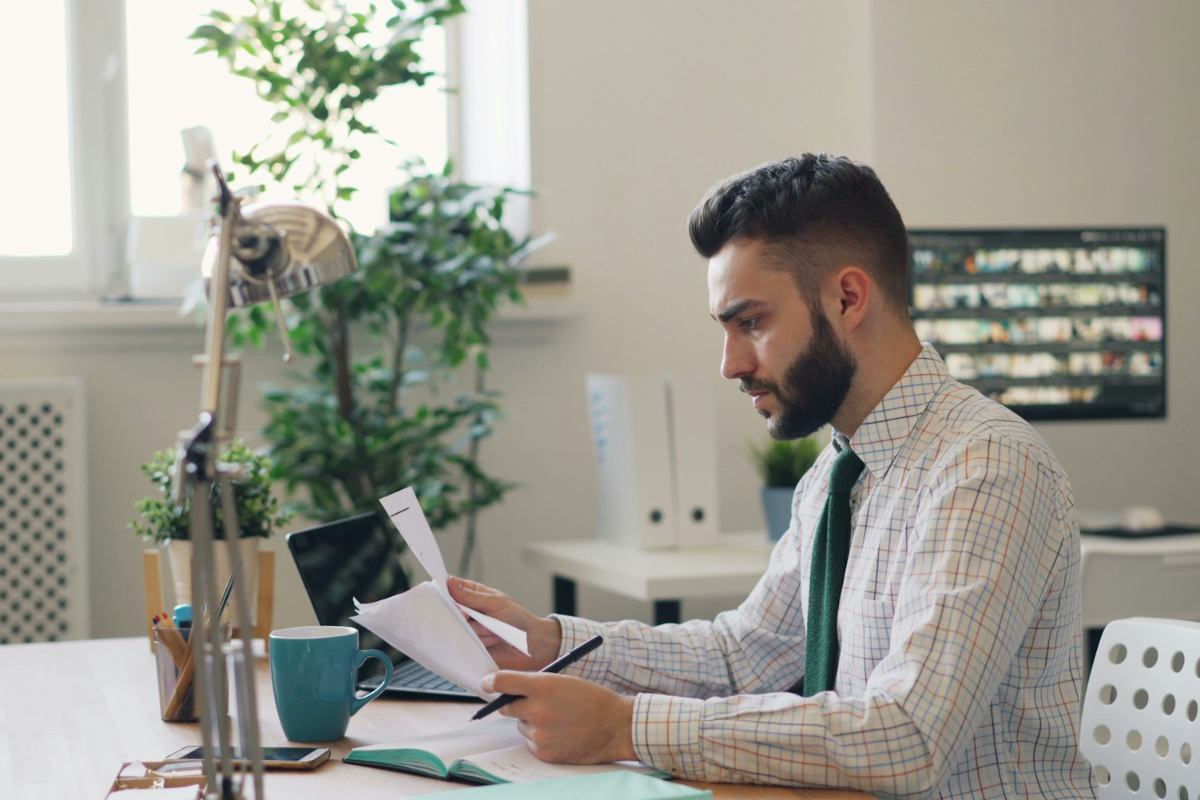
[601, 786]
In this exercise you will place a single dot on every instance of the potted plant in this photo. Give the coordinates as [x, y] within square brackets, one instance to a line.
[781, 465]
[377, 416]
[163, 522]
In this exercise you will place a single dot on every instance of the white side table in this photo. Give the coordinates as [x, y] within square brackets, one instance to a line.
[665, 577]
[1144, 576]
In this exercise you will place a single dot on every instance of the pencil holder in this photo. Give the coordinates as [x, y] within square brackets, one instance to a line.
[175, 673]
[173, 653]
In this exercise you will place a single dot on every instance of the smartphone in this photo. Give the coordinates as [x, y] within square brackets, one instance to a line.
[273, 757]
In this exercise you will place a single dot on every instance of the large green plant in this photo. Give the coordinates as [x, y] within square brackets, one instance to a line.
[364, 425]
[372, 418]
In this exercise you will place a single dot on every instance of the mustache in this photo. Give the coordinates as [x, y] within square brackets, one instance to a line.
[745, 386]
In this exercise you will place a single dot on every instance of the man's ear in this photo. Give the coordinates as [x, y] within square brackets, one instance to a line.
[852, 293]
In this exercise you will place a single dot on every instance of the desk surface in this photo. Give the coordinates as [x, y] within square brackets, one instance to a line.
[71, 712]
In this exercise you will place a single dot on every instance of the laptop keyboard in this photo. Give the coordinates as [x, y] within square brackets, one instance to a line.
[413, 676]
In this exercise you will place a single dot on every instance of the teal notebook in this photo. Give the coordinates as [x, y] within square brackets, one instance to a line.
[604, 786]
[490, 751]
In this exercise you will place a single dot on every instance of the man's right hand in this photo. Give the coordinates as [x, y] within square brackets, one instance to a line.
[545, 635]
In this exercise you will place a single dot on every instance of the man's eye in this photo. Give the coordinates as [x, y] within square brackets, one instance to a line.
[750, 323]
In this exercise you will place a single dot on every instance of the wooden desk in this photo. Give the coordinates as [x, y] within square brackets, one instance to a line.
[729, 568]
[71, 712]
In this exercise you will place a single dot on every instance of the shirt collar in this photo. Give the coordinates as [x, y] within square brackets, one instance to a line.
[891, 421]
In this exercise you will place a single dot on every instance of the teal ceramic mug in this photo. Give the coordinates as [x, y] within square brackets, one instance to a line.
[314, 670]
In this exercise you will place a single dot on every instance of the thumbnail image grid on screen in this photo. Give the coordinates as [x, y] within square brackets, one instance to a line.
[1054, 324]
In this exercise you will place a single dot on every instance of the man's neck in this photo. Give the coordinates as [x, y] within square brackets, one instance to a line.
[879, 369]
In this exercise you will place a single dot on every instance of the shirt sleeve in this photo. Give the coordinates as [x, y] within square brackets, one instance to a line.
[985, 538]
[757, 647]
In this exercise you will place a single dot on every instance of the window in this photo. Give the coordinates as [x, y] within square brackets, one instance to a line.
[93, 134]
[48, 165]
[171, 88]
[44, 176]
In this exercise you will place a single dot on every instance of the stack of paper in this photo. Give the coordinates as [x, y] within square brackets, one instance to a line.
[425, 623]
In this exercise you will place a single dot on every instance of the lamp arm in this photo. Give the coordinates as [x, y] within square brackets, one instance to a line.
[198, 473]
[218, 300]
[289, 247]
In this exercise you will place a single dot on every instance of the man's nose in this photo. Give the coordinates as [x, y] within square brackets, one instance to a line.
[737, 360]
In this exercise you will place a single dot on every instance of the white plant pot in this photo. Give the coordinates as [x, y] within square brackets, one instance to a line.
[179, 554]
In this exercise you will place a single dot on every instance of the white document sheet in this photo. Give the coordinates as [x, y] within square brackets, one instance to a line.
[425, 623]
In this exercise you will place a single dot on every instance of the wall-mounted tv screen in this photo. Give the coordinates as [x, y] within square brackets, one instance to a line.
[1053, 323]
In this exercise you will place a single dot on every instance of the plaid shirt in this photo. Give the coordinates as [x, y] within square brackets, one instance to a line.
[959, 623]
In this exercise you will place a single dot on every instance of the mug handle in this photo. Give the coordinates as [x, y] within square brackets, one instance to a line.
[362, 656]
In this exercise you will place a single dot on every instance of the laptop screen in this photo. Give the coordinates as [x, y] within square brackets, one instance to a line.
[341, 561]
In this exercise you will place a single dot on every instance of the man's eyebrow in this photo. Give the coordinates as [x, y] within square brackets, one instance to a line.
[740, 307]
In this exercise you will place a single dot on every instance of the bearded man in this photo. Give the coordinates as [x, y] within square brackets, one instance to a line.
[917, 632]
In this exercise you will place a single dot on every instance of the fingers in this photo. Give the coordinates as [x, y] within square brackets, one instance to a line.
[461, 589]
[512, 682]
[495, 645]
[483, 633]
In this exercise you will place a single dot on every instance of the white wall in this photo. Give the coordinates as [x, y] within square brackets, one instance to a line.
[1065, 113]
[637, 108]
[1015, 112]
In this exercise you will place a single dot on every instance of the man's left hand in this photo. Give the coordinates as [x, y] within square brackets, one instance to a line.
[567, 720]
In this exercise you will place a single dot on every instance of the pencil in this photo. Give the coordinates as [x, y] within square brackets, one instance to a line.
[169, 635]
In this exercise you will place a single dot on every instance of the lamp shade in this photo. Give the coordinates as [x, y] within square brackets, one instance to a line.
[291, 244]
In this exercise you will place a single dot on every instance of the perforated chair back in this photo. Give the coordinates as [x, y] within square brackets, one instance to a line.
[1140, 728]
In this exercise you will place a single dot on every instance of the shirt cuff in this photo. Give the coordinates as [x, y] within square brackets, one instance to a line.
[666, 734]
[576, 631]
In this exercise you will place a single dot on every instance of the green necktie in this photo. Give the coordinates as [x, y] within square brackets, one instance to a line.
[831, 550]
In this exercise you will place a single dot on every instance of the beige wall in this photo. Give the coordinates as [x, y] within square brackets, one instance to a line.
[1063, 113]
[1018, 112]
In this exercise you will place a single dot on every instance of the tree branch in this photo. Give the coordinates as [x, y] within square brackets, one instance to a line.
[464, 564]
[398, 365]
[359, 478]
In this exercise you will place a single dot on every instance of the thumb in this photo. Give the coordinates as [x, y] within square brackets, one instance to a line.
[469, 593]
[508, 681]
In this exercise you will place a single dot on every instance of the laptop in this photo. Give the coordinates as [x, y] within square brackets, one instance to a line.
[358, 558]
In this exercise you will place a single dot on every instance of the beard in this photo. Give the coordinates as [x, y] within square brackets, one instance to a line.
[814, 386]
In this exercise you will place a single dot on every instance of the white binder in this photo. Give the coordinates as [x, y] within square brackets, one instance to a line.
[632, 444]
[694, 454]
[655, 447]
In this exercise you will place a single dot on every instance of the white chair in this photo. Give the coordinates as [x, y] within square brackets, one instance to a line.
[1140, 728]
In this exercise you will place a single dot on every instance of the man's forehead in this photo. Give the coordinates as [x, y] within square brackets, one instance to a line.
[740, 273]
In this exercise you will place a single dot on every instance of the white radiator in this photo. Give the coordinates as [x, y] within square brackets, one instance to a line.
[43, 502]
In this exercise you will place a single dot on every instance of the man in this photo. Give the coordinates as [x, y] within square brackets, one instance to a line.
[918, 630]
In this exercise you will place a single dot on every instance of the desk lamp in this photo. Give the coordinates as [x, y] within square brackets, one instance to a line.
[261, 252]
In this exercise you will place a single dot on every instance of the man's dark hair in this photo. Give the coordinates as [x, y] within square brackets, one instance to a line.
[815, 213]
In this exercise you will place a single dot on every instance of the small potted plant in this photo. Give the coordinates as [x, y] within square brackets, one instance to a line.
[165, 523]
[781, 465]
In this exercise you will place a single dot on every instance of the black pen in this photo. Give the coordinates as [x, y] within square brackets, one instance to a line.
[557, 665]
